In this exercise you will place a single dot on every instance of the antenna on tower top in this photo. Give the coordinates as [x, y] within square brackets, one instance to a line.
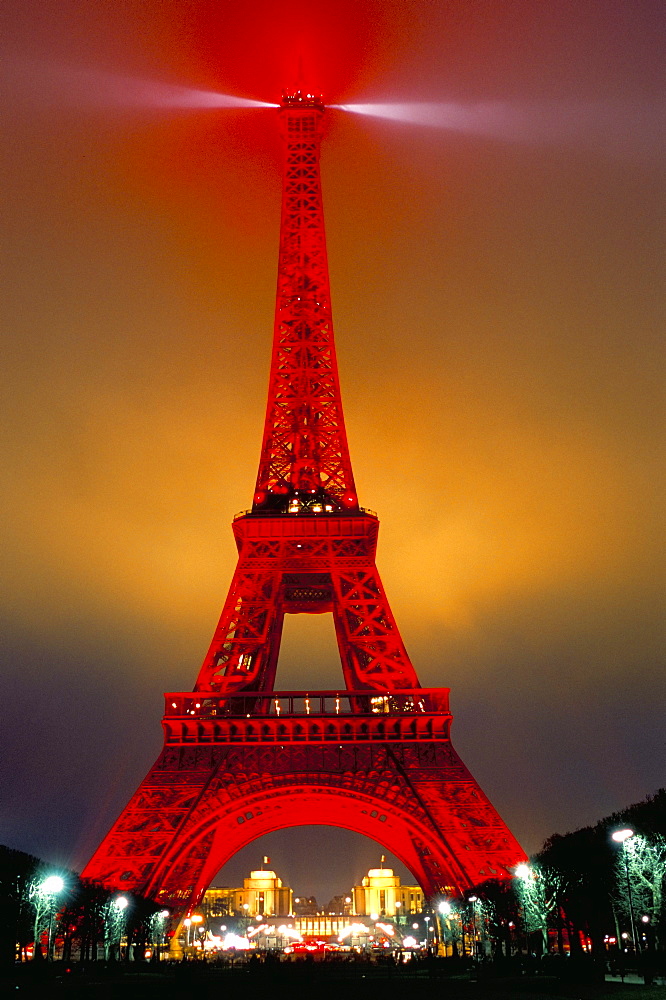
[300, 94]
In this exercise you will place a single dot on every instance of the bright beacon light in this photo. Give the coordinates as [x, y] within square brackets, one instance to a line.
[611, 126]
[433, 114]
[495, 119]
[86, 88]
[183, 97]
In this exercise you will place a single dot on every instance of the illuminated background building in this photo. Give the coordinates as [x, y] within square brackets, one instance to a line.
[264, 899]
[381, 892]
[262, 894]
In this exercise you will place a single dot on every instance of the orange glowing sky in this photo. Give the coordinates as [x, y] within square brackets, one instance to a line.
[498, 304]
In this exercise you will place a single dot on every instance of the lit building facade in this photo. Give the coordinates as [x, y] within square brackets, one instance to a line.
[262, 894]
[382, 893]
[219, 902]
[410, 899]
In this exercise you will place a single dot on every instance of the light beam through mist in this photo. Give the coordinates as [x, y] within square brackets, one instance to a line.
[615, 126]
[49, 84]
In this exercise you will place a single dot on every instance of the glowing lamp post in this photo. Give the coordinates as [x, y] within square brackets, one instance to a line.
[120, 904]
[157, 933]
[473, 900]
[444, 909]
[524, 873]
[52, 885]
[46, 893]
[197, 919]
[621, 837]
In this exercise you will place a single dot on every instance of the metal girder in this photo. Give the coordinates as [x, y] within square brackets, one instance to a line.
[312, 564]
[304, 450]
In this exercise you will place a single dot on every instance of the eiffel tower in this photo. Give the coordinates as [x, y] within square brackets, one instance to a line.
[241, 759]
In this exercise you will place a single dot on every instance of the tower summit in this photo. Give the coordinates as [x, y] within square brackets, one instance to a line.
[242, 759]
[304, 465]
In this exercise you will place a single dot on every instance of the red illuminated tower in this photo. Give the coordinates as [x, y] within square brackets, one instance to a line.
[241, 759]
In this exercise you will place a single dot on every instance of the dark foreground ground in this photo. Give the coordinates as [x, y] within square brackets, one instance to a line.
[310, 981]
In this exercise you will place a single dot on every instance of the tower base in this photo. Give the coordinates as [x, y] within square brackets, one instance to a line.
[234, 769]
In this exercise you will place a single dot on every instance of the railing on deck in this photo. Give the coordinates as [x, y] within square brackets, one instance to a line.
[306, 513]
[205, 705]
[316, 717]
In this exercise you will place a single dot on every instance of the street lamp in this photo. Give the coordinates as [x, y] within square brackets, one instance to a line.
[473, 900]
[120, 904]
[621, 837]
[195, 920]
[445, 910]
[113, 926]
[46, 893]
[157, 926]
[524, 873]
[52, 885]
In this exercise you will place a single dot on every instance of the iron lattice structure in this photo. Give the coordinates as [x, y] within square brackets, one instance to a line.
[304, 456]
[241, 759]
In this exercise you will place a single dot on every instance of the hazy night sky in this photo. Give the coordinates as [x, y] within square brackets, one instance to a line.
[498, 298]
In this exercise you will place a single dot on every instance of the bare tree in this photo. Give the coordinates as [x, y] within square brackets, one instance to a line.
[640, 873]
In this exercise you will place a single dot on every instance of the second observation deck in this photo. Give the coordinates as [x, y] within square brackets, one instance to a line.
[307, 716]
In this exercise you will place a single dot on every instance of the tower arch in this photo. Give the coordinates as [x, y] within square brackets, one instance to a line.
[393, 827]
